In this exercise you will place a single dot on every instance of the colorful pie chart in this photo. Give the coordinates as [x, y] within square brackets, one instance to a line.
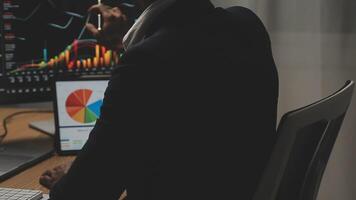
[82, 108]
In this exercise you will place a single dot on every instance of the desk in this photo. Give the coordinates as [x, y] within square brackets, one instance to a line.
[18, 129]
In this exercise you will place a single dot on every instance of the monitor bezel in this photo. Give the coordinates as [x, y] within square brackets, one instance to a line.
[57, 140]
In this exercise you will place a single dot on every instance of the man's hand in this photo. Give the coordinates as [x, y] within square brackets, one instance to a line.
[50, 177]
[115, 26]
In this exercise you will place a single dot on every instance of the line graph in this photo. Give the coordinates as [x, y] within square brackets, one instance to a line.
[44, 39]
[56, 40]
[64, 26]
[35, 10]
[54, 25]
[69, 22]
[25, 19]
[74, 14]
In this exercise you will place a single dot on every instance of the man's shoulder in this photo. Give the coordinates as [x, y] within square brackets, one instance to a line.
[157, 48]
[148, 54]
[221, 29]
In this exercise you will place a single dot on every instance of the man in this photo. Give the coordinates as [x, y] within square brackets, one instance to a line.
[189, 114]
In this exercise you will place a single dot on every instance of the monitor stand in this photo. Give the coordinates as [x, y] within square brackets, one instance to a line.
[46, 126]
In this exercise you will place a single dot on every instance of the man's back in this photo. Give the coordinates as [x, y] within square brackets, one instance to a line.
[214, 91]
[191, 112]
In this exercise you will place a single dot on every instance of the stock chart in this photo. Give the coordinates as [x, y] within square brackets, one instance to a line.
[44, 38]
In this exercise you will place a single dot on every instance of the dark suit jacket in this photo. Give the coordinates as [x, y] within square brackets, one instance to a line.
[189, 114]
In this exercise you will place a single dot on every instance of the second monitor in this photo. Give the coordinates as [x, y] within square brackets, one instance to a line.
[77, 107]
[40, 39]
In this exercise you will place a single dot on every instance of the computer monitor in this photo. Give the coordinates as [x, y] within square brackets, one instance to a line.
[42, 39]
[77, 107]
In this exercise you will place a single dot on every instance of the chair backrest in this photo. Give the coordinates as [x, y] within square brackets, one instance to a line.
[305, 140]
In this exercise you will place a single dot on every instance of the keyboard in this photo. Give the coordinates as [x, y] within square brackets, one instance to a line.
[20, 194]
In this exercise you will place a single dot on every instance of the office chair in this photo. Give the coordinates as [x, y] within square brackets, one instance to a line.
[305, 140]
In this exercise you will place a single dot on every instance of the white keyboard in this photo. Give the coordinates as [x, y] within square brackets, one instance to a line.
[20, 194]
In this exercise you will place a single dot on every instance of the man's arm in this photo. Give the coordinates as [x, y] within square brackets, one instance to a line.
[101, 169]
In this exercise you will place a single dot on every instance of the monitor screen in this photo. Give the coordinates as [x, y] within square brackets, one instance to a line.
[77, 109]
[41, 39]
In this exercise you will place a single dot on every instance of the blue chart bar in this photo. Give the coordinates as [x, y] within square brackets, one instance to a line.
[45, 55]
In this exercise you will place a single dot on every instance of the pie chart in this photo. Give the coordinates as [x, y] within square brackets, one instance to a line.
[82, 107]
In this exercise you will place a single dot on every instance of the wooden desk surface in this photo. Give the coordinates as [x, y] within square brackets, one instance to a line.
[18, 129]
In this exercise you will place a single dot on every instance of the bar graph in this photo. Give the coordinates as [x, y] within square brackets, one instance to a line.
[81, 54]
[41, 40]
